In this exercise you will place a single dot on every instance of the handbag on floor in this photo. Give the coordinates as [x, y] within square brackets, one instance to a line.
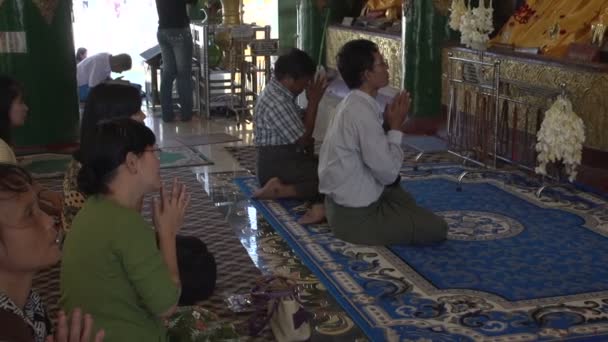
[197, 269]
[276, 298]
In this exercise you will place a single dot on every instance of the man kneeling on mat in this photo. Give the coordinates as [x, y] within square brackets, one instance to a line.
[359, 161]
[286, 166]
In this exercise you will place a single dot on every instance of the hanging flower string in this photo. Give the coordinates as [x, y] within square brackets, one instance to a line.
[457, 10]
[560, 138]
[474, 24]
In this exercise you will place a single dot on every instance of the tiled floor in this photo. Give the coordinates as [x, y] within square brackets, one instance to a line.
[223, 162]
[267, 250]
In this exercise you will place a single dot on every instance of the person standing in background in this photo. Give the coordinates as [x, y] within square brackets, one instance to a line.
[175, 42]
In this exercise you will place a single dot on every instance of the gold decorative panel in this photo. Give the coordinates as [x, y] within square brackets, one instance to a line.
[587, 87]
[389, 46]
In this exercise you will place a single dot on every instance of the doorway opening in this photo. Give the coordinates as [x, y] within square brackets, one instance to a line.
[129, 26]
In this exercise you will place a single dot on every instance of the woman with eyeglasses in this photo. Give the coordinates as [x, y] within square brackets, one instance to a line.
[113, 266]
[29, 242]
[118, 101]
[106, 101]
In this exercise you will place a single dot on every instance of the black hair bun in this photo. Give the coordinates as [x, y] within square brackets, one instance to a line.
[88, 182]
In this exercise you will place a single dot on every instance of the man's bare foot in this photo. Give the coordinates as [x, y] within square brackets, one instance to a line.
[316, 214]
[273, 189]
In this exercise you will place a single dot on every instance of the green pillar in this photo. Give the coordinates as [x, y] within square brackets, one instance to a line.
[311, 30]
[312, 20]
[46, 68]
[287, 24]
[426, 32]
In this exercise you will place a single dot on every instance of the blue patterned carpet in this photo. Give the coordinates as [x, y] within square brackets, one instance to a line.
[514, 268]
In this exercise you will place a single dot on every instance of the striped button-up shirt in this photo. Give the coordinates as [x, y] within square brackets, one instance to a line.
[277, 117]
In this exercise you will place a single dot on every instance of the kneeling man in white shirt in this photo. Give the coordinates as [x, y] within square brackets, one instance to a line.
[359, 162]
[97, 69]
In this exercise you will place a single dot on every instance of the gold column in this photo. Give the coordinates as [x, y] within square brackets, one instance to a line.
[231, 16]
[232, 12]
[389, 46]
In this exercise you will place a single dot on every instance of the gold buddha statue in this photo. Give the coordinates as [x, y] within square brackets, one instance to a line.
[552, 25]
[391, 7]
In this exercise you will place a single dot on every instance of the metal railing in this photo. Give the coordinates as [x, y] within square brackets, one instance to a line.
[493, 121]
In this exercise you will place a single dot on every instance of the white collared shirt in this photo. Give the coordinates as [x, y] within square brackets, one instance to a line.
[358, 159]
[93, 70]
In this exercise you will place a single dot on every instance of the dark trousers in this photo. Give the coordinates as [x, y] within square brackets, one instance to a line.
[293, 165]
[176, 51]
[394, 218]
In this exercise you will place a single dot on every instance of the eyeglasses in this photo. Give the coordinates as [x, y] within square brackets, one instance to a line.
[156, 151]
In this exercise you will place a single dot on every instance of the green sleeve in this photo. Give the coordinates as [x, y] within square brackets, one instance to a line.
[145, 267]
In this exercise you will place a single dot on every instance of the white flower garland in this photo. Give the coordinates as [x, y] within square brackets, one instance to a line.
[560, 138]
[474, 24]
[457, 10]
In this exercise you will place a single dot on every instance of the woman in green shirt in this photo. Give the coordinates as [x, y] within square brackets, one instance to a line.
[111, 101]
[113, 266]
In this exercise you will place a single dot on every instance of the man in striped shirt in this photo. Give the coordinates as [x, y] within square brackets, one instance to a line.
[286, 166]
